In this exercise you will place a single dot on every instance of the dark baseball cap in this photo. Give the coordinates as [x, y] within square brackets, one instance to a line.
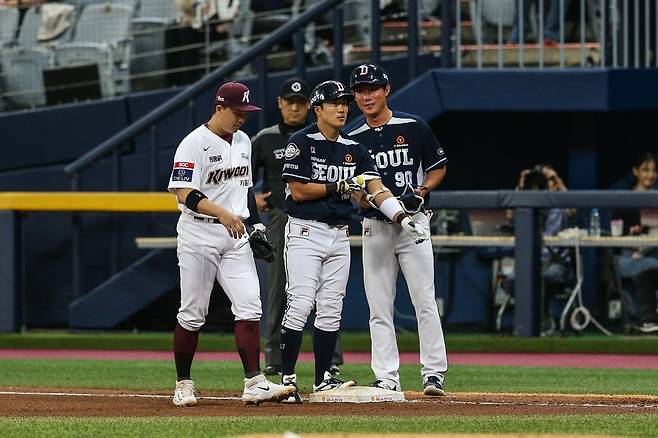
[295, 87]
[235, 95]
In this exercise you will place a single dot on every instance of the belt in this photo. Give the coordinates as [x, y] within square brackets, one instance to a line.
[208, 220]
[377, 218]
[339, 226]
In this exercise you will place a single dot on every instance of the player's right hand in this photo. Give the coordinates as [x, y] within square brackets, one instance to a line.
[415, 230]
[348, 186]
[233, 224]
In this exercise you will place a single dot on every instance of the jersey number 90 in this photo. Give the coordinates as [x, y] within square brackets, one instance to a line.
[403, 178]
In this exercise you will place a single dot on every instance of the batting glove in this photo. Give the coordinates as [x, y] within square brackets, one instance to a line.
[345, 187]
[415, 230]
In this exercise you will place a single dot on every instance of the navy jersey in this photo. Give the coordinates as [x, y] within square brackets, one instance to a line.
[310, 157]
[404, 150]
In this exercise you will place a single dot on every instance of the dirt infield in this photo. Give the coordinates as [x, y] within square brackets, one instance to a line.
[17, 402]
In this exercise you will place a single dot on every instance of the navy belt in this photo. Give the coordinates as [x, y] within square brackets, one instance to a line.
[377, 218]
[208, 220]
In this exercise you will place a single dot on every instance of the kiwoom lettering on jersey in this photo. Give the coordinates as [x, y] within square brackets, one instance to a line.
[217, 176]
[393, 158]
[331, 173]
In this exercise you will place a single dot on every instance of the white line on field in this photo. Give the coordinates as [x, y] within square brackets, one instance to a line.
[445, 400]
[81, 394]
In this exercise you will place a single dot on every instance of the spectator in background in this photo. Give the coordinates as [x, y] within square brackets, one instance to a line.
[551, 22]
[641, 264]
[556, 263]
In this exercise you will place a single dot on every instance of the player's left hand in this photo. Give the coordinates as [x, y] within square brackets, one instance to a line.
[415, 230]
[261, 245]
[360, 198]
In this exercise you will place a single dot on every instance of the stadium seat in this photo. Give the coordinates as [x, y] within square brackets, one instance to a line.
[148, 62]
[107, 45]
[8, 24]
[22, 69]
[101, 54]
[29, 31]
[493, 13]
[165, 10]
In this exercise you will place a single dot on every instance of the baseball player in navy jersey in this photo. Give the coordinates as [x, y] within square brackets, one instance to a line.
[211, 179]
[323, 168]
[411, 163]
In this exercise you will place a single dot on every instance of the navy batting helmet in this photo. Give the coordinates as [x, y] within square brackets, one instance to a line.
[371, 74]
[328, 91]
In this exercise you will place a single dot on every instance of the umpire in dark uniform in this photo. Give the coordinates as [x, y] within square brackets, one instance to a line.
[267, 153]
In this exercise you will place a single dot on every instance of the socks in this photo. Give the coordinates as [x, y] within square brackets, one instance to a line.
[247, 341]
[185, 343]
[291, 343]
[324, 344]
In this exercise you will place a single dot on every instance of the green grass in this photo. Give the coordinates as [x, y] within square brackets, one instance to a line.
[626, 425]
[160, 375]
[352, 341]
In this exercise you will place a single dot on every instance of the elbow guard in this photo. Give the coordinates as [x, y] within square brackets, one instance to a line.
[193, 198]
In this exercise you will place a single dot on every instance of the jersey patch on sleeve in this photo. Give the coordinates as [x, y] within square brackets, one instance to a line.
[182, 171]
[182, 175]
[183, 165]
[291, 151]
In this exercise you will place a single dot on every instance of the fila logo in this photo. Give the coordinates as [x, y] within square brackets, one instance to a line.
[245, 96]
[363, 70]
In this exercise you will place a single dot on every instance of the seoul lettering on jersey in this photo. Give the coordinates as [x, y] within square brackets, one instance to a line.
[404, 150]
[310, 157]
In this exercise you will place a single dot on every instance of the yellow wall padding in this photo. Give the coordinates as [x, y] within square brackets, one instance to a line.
[88, 201]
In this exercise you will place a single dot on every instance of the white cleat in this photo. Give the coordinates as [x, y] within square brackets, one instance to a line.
[184, 394]
[258, 390]
[293, 398]
[330, 382]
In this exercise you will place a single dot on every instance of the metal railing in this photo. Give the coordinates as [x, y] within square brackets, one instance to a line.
[185, 98]
[542, 33]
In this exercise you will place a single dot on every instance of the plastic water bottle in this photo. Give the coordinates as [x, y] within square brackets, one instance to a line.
[595, 223]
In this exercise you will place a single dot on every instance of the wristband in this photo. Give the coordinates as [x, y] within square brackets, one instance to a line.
[193, 198]
[331, 187]
[390, 207]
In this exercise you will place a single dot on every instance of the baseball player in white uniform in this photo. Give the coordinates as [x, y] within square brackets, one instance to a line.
[323, 168]
[212, 179]
[411, 162]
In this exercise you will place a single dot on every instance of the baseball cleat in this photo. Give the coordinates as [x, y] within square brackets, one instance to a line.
[433, 387]
[293, 398]
[330, 382]
[386, 385]
[184, 394]
[648, 327]
[258, 390]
